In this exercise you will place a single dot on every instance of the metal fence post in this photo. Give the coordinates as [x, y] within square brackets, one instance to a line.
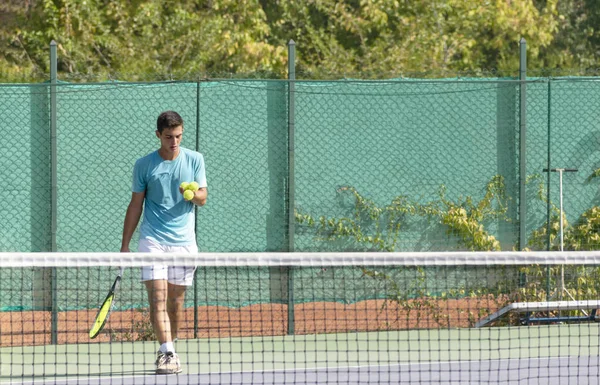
[549, 167]
[548, 205]
[54, 193]
[291, 184]
[523, 145]
[196, 211]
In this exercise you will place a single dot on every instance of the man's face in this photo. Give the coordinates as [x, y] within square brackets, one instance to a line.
[170, 139]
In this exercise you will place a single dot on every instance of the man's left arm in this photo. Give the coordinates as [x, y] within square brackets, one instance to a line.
[200, 196]
[200, 177]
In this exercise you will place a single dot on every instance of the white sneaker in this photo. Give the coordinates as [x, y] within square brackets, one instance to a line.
[159, 357]
[168, 363]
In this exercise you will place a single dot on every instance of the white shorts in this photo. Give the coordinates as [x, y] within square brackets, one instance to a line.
[176, 275]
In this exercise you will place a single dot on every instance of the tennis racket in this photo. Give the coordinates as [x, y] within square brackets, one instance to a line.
[106, 307]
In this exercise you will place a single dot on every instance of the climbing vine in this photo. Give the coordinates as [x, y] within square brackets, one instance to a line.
[375, 227]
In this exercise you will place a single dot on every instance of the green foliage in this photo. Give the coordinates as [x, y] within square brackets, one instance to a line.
[538, 240]
[486, 290]
[135, 38]
[593, 175]
[389, 35]
[141, 329]
[415, 300]
[378, 228]
[576, 36]
[465, 219]
[192, 38]
[386, 222]
[584, 234]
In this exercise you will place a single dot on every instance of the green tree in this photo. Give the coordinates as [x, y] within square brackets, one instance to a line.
[188, 38]
[390, 36]
[147, 37]
[16, 63]
[576, 43]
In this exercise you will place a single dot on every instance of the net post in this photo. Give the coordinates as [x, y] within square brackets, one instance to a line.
[523, 144]
[291, 185]
[54, 188]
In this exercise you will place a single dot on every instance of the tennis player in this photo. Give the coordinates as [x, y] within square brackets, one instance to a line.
[167, 227]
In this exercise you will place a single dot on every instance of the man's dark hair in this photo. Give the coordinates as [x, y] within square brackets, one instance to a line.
[168, 119]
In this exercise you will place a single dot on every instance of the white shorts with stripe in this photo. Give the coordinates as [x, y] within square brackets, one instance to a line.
[175, 275]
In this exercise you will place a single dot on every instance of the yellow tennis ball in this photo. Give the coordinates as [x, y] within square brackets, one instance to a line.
[188, 195]
[184, 185]
[193, 186]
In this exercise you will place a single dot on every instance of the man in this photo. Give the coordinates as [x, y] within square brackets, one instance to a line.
[167, 227]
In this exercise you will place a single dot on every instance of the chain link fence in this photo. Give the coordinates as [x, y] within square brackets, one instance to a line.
[427, 143]
[400, 146]
[399, 164]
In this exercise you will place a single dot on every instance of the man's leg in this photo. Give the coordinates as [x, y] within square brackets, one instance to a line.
[179, 279]
[167, 361]
[159, 317]
[175, 302]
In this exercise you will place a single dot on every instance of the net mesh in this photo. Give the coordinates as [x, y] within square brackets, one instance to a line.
[389, 317]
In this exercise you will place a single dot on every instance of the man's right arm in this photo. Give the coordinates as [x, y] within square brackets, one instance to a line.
[132, 218]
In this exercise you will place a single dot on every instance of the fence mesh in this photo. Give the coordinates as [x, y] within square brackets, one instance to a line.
[243, 135]
[396, 165]
[410, 151]
[25, 169]
[574, 127]
[101, 131]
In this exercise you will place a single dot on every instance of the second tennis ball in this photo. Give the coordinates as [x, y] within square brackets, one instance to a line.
[193, 186]
[188, 195]
[184, 185]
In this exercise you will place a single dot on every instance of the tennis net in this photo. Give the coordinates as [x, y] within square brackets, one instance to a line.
[277, 318]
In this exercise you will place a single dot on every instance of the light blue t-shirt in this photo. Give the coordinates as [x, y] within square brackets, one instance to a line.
[168, 218]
